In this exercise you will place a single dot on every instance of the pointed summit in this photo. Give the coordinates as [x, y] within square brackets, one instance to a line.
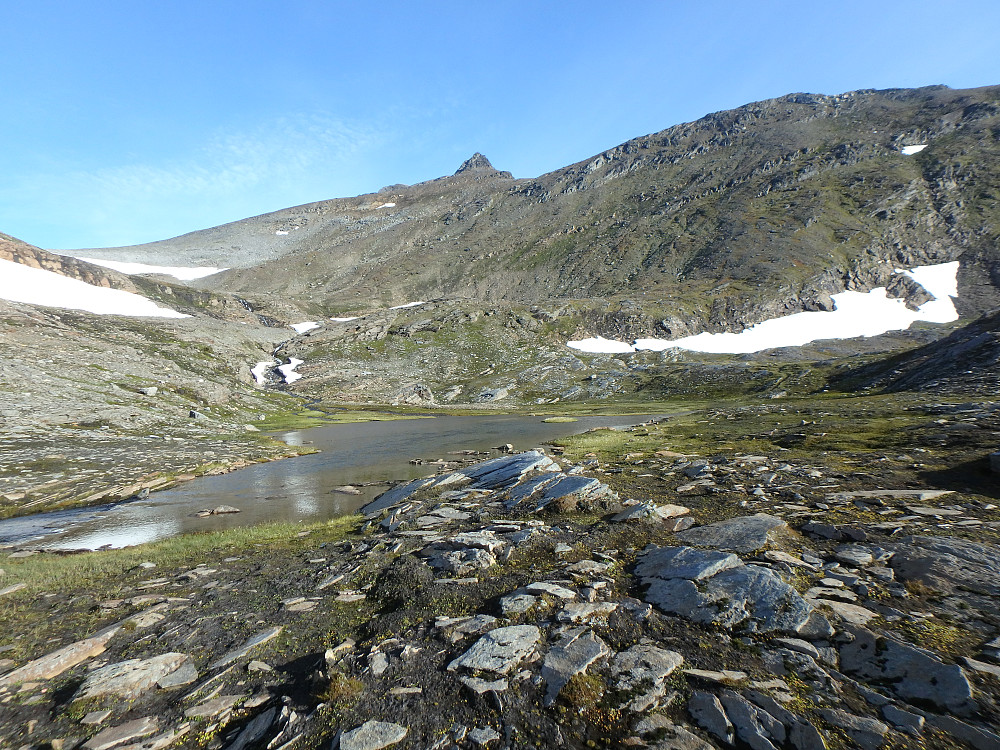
[477, 162]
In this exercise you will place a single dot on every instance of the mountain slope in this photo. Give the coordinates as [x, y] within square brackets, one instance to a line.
[737, 217]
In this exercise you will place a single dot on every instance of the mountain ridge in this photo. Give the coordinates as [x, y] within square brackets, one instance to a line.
[783, 201]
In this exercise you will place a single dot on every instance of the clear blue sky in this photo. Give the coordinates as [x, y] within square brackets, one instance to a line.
[127, 122]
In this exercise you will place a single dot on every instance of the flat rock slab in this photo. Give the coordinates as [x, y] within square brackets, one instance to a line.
[716, 587]
[578, 649]
[372, 735]
[500, 650]
[251, 643]
[584, 612]
[852, 614]
[551, 589]
[912, 673]
[213, 707]
[743, 535]
[684, 562]
[641, 671]
[944, 563]
[113, 736]
[130, 678]
[921, 495]
[57, 662]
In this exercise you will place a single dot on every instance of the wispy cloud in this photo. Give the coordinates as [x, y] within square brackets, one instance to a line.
[294, 158]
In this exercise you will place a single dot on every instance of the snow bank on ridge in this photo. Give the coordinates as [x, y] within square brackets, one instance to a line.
[35, 286]
[181, 273]
[855, 314]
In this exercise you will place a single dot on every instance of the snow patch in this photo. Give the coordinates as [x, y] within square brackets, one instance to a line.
[344, 320]
[288, 371]
[281, 232]
[181, 273]
[911, 150]
[388, 205]
[305, 326]
[259, 370]
[601, 345]
[408, 304]
[855, 314]
[35, 286]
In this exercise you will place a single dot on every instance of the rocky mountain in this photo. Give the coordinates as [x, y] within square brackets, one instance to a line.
[710, 225]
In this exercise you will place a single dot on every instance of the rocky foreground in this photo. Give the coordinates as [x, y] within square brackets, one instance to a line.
[522, 602]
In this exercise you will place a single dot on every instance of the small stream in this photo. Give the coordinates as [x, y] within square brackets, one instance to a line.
[296, 489]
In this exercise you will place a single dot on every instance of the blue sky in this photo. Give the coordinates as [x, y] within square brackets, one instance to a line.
[127, 122]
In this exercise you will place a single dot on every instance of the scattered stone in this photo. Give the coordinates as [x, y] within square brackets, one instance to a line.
[868, 733]
[517, 604]
[500, 650]
[585, 612]
[130, 678]
[721, 677]
[578, 649]
[13, 589]
[982, 667]
[707, 712]
[372, 735]
[122, 733]
[912, 673]
[641, 671]
[251, 643]
[255, 730]
[347, 489]
[852, 614]
[214, 707]
[747, 721]
[946, 563]
[550, 589]
[684, 562]
[95, 717]
[743, 535]
[904, 721]
[484, 735]
[57, 662]
[855, 555]
[715, 587]
[479, 686]
[185, 674]
[981, 738]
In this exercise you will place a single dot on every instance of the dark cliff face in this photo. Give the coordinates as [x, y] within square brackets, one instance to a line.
[741, 215]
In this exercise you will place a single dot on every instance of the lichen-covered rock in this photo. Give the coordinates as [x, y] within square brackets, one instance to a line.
[500, 650]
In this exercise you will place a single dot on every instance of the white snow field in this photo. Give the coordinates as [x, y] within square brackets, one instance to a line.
[288, 371]
[305, 326]
[181, 273]
[259, 370]
[911, 150]
[855, 314]
[35, 286]
[343, 320]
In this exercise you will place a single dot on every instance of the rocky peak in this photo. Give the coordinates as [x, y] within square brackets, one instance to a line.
[476, 162]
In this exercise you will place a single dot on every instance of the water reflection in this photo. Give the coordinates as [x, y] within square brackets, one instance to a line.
[295, 489]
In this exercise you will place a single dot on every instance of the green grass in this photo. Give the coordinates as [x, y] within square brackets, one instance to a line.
[100, 570]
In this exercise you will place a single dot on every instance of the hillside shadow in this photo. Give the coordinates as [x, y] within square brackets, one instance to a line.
[970, 477]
